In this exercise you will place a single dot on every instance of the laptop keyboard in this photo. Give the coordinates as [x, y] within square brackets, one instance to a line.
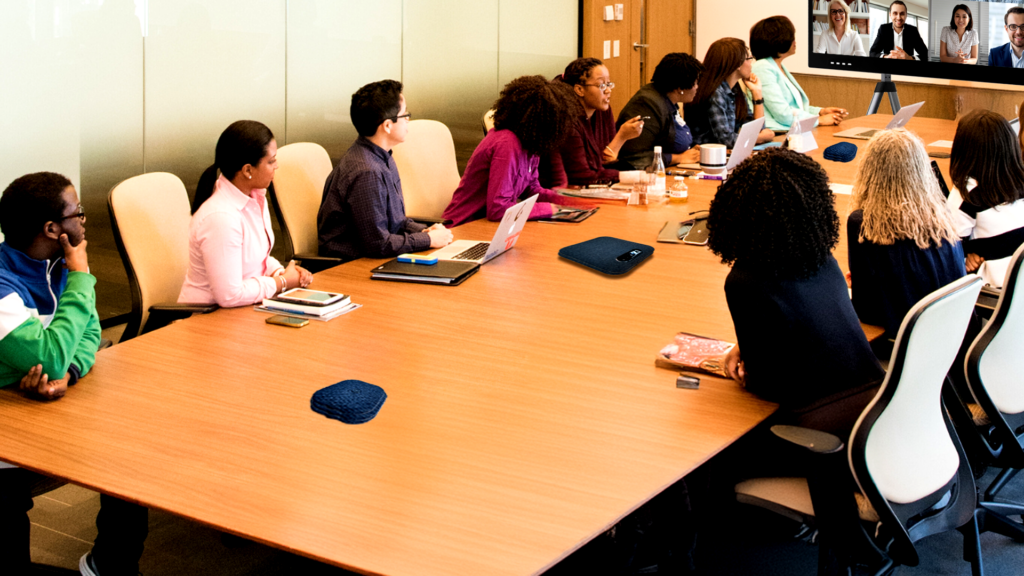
[475, 252]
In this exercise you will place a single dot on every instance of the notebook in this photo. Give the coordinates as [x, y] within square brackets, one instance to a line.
[898, 121]
[505, 237]
[445, 272]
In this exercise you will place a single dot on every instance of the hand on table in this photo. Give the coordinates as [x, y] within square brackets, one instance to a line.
[36, 385]
[734, 366]
[973, 262]
[439, 236]
[691, 156]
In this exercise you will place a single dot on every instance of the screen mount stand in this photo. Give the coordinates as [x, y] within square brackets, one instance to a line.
[885, 86]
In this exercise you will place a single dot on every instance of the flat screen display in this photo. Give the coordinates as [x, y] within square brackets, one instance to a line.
[971, 41]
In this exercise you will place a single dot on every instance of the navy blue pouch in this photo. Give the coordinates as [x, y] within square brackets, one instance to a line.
[607, 255]
[841, 152]
[351, 401]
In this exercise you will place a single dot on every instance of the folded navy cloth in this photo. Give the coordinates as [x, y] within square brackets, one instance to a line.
[351, 401]
[841, 152]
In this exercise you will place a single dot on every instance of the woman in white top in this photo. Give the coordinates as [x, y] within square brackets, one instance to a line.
[988, 196]
[840, 37]
[958, 41]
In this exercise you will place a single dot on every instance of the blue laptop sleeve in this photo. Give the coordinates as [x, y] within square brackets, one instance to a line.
[607, 255]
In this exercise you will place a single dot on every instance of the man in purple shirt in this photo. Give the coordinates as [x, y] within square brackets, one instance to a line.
[362, 213]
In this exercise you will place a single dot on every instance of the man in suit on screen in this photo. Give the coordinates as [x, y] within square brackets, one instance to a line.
[898, 40]
[1011, 54]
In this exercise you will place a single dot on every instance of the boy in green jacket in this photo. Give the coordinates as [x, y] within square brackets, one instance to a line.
[49, 336]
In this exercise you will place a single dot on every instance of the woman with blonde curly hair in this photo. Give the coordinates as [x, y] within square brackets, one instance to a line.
[901, 236]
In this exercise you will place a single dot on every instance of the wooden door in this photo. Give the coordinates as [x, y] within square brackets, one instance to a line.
[654, 27]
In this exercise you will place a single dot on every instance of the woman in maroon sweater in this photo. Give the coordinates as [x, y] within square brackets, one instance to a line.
[594, 143]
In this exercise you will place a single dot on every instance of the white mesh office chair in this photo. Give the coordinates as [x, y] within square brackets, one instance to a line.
[913, 476]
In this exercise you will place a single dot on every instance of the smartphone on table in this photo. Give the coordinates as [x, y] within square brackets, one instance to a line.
[289, 321]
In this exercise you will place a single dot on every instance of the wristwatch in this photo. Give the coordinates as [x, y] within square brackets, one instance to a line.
[759, 101]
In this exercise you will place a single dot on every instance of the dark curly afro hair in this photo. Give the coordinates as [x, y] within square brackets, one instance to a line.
[775, 212]
[540, 113]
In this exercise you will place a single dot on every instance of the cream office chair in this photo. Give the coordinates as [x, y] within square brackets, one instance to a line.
[913, 475]
[429, 172]
[302, 170]
[149, 215]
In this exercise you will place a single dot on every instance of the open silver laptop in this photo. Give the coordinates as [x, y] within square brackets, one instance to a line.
[898, 121]
[745, 142]
[505, 237]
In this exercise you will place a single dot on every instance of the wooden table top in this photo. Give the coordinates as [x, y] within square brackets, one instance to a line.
[524, 414]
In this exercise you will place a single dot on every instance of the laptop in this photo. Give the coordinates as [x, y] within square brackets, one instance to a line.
[504, 237]
[804, 126]
[898, 121]
[745, 142]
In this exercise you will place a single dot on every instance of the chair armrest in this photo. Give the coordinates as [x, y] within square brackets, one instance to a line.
[987, 300]
[315, 263]
[813, 440]
[428, 221]
[161, 315]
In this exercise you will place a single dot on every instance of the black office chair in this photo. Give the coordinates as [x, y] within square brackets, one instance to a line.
[913, 475]
[994, 417]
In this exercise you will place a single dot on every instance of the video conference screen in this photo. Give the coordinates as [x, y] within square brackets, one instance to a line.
[976, 41]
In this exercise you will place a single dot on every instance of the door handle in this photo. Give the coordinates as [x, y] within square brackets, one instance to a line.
[637, 45]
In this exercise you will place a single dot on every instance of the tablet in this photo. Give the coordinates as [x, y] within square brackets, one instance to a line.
[309, 297]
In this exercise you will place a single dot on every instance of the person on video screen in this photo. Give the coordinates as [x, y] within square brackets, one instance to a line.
[898, 40]
[959, 40]
[840, 37]
[1011, 54]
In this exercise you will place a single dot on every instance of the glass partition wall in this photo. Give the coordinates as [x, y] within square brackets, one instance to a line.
[102, 90]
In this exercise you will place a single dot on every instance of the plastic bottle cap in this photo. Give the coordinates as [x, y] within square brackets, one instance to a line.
[657, 149]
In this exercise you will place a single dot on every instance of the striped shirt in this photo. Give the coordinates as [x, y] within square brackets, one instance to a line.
[992, 233]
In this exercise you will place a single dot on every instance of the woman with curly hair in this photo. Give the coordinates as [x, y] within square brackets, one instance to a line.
[988, 199]
[774, 222]
[901, 237]
[674, 82]
[531, 117]
[719, 109]
[585, 156]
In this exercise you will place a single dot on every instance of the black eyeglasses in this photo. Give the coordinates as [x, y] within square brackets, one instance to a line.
[837, 12]
[80, 215]
[1013, 27]
[406, 115]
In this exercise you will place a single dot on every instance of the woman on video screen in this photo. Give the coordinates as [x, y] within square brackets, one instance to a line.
[959, 40]
[840, 37]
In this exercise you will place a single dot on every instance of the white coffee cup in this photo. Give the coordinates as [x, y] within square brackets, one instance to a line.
[712, 158]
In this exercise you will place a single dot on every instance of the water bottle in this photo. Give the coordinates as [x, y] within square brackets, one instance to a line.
[657, 168]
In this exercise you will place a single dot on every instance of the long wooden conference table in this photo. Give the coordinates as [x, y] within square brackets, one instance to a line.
[524, 416]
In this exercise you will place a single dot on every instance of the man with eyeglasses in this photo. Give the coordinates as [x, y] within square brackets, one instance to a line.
[49, 336]
[1011, 54]
[898, 40]
[362, 214]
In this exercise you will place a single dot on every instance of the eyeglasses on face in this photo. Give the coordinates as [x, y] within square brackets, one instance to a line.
[837, 11]
[406, 115]
[603, 86]
[1013, 27]
[80, 215]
